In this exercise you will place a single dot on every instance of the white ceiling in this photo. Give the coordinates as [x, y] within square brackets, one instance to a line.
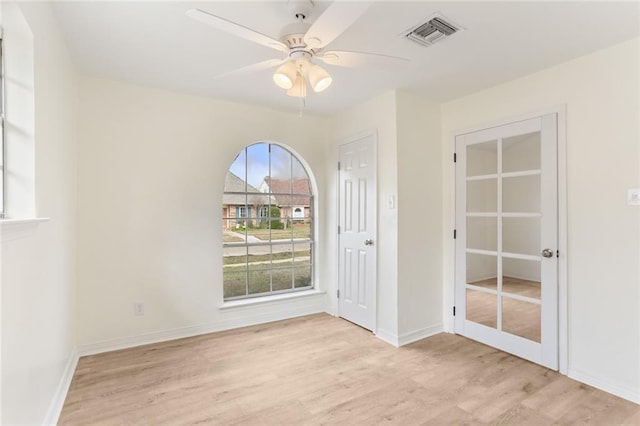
[155, 44]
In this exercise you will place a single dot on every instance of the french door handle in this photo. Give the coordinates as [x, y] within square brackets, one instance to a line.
[547, 253]
[368, 242]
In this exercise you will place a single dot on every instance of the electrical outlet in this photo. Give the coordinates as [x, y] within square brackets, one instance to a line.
[138, 308]
[633, 197]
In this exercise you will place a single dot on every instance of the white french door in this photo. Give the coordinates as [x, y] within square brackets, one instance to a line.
[357, 228]
[506, 291]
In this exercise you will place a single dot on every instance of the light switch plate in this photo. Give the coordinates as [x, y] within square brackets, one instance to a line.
[633, 197]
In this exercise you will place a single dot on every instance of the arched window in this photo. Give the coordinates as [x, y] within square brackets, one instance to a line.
[265, 251]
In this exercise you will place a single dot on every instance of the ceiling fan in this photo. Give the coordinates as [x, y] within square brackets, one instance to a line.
[302, 44]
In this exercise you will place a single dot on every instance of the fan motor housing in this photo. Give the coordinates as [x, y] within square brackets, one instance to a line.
[293, 35]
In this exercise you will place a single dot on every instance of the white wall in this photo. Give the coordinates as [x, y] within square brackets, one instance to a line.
[601, 93]
[152, 166]
[38, 261]
[408, 240]
[419, 217]
[378, 116]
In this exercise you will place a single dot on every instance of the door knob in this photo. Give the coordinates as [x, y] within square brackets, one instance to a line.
[368, 242]
[547, 253]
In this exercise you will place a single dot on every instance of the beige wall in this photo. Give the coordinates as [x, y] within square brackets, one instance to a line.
[409, 271]
[601, 94]
[152, 168]
[419, 217]
[38, 264]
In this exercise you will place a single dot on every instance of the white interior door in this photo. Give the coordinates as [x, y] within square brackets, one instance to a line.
[357, 230]
[507, 238]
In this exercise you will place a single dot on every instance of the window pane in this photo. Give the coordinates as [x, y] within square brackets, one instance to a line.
[482, 158]
[521, 194]
[521, 235]
[482, 270]
[482, 196]
[520, 153]
[259, 279]
[257, 165]
[482, 233]
[482, 308]
[259, 256]
[302, 275]
[302, 251]
[234, 282]
[300, 178]
[521, 318]
[280, 229]
[280, 170]
[282, 254]
[282, 278]
[302, 229]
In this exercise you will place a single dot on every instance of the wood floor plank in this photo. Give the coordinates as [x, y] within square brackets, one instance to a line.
[323, 370]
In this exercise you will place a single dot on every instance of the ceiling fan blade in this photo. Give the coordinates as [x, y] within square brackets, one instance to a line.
[334, 21]
[235, 29]
[344, 58]
[259, 66]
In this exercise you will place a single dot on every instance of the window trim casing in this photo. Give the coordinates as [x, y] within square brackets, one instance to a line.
[2, 128]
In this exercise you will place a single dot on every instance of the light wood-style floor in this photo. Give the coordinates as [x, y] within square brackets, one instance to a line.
[323, 370]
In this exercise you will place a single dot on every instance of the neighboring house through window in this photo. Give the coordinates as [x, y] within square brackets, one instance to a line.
[266, 251]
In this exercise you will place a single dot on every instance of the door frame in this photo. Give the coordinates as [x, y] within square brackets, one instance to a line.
[374, 136]
[560, 110]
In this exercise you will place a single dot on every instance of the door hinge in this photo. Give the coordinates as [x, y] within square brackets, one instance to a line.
[338, 293]
[338, 165]
[455, 234]
[454, 311]
[558, 253]
[455, 157]
[338, 229]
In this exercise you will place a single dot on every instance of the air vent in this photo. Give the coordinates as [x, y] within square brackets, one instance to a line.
[436, 29]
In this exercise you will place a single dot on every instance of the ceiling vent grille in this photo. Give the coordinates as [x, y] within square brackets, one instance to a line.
[434, 30]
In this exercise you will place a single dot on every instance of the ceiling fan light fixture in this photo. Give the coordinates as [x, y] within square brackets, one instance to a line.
[319, 78]
[285, 76]
[299, 89]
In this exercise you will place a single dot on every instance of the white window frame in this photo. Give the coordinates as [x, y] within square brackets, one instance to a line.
[291, 242]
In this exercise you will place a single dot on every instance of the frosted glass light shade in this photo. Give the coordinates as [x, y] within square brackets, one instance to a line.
[285, 76]
[299, 89]
[319, 78]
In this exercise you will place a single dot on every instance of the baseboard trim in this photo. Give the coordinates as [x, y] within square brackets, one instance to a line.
[387, 337]
[196, 330]
[55, 407]
[410, 337]
[606, 385]
[423, 333]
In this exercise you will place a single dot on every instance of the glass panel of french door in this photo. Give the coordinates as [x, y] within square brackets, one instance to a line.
[501, 198]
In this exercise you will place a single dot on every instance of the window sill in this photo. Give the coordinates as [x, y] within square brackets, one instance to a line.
[268, 299]
[14, 229]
